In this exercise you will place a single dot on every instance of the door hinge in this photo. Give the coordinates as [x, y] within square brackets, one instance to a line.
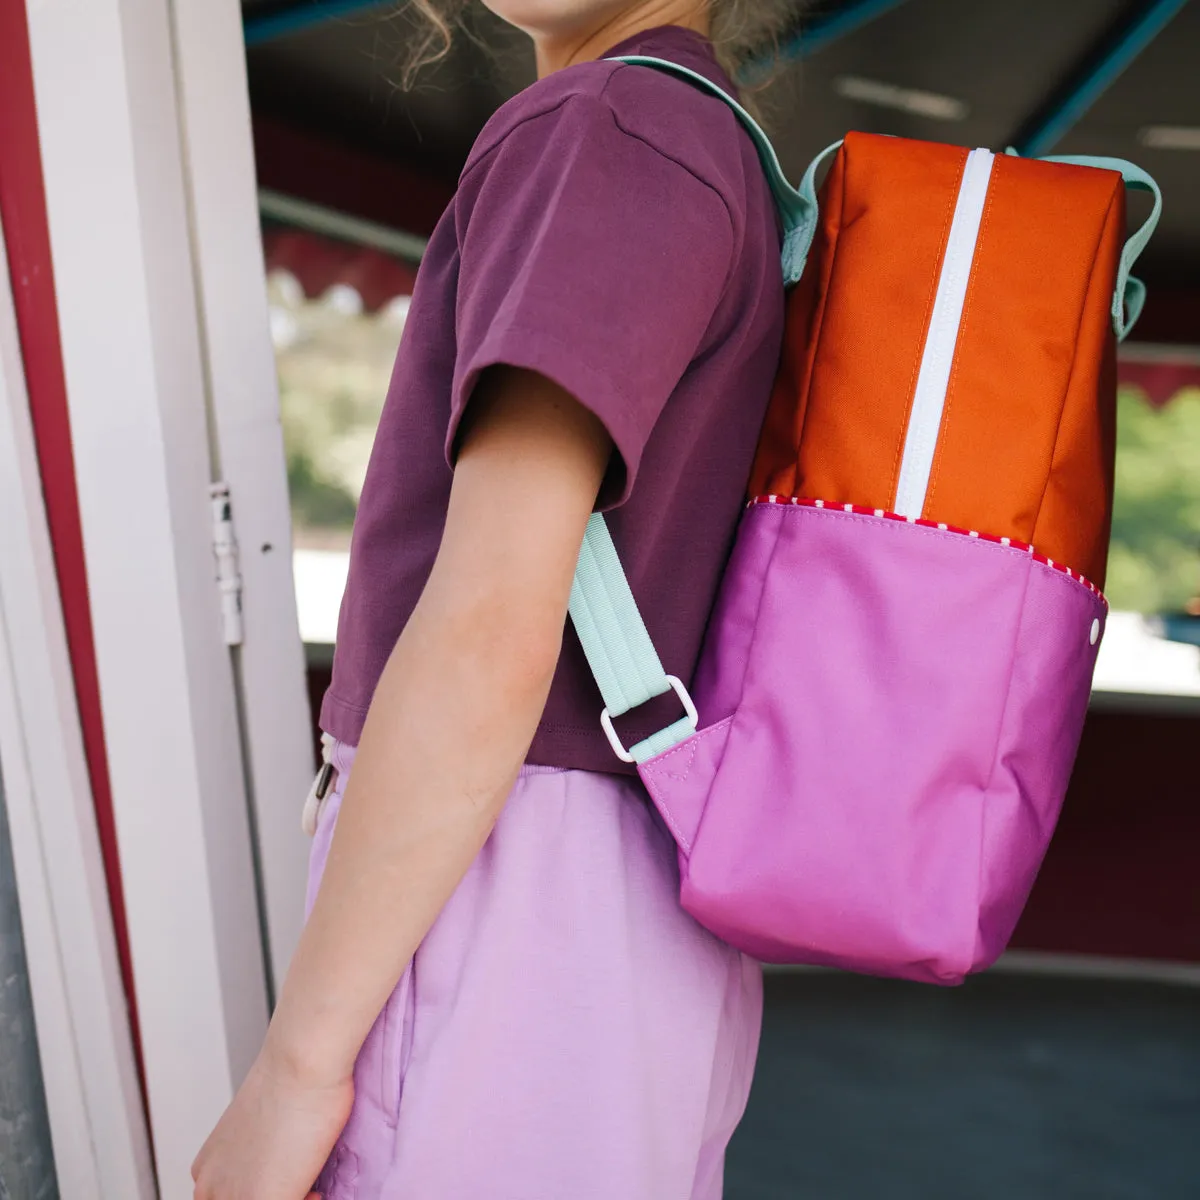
[225, 551]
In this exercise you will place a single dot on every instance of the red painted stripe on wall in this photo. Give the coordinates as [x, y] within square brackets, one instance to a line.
[23, 209]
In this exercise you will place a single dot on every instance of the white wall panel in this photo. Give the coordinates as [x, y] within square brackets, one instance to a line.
[118, 214]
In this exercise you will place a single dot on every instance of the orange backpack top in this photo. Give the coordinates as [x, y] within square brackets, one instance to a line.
[1027, 425]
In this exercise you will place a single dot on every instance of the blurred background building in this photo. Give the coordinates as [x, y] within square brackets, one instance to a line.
[213, 217]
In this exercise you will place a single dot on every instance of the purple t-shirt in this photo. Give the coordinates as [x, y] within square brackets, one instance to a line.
[613, 230]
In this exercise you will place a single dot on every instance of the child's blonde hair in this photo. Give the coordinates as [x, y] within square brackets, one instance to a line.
[742, 30]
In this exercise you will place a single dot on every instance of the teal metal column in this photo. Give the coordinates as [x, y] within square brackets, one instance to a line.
[296, 18]
[1134, 30]
[812, 35]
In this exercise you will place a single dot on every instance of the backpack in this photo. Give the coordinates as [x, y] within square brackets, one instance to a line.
[895, 674]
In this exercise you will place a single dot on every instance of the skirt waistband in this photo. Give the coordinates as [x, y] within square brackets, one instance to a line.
[340, 755]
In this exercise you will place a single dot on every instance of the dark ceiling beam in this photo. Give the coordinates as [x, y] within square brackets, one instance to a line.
[1133, 31]
[811, 36]
[815, 33]
[296, 18]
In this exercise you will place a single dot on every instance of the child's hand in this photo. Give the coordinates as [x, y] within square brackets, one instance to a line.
[274, 1138]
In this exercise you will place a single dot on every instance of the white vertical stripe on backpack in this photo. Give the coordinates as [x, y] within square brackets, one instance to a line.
[933, 379]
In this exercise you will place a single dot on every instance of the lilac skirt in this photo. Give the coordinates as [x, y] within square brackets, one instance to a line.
[565, 1029]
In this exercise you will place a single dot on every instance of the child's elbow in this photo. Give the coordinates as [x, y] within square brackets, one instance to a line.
[514, 648]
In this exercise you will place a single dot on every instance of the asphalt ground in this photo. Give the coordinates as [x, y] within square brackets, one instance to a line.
[1012, 1087]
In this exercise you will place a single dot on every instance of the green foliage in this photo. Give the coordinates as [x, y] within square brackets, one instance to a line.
[333, 376]
[317, 502]
[1154, 565]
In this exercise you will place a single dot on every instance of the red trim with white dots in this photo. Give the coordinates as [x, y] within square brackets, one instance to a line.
[1024, 547]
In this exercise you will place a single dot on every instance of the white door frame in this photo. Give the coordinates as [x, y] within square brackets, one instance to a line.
[93, 1097]
[214, 99]
[133, 355]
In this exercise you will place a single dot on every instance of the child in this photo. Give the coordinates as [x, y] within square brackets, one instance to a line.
[596, 324]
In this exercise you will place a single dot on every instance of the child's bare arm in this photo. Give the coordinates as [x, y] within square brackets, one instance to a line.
[455, 709]
[452, 718]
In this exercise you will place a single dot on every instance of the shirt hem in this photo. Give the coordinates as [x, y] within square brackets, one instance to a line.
[553, 746]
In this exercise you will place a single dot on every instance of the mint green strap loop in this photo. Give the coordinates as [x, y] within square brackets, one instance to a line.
[663, 740]
[795, 256]
[797, 207]
[1130, 293]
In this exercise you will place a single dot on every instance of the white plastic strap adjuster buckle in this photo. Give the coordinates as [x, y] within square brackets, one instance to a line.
[685, 699]
[320, 788]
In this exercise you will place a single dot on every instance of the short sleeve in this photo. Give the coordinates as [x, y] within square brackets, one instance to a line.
[592, 257]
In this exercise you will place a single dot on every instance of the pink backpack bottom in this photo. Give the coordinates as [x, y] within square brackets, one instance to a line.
[899, 709]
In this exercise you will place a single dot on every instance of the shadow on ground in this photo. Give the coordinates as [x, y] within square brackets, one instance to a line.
[1013, 1087]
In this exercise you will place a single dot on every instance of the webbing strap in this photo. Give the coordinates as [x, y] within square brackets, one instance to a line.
[663, 740]
[619, 650]
[618, 647]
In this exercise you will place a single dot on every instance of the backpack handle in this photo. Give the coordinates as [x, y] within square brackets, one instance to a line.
[1130, 293]
[797, 206]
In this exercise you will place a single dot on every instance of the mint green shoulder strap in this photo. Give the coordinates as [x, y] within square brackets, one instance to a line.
[797, 206]
[618, 647]
[614, 637]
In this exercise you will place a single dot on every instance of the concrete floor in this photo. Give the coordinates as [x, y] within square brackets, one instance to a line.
[1013, 1087]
